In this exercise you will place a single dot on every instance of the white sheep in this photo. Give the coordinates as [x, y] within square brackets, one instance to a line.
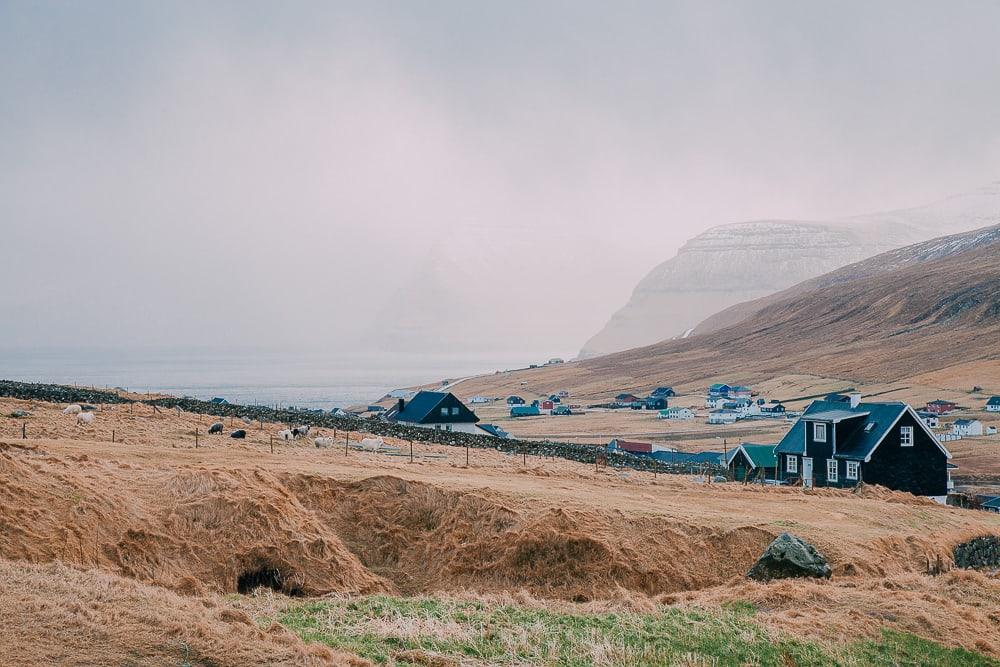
[85, 418]
[323, 442]
[72, 409]
[300, 431]
[285, 435]
[372, 444]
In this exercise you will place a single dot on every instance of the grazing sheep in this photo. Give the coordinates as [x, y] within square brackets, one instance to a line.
[239, 434]
[72, 409]
[285, 435]
[85, 418]
[372, 444]
[216, 428]
[87, 407]
[324, 442]
[300, 431]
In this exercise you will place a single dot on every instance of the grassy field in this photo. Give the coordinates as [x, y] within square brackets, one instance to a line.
[432, 631]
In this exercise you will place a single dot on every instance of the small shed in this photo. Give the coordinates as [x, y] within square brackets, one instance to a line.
[750, 461]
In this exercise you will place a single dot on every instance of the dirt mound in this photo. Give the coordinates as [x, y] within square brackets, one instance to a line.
[55, 615]
[425, 538]
[187, 530]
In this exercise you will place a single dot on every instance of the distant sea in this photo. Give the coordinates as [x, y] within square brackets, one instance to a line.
[289, 378]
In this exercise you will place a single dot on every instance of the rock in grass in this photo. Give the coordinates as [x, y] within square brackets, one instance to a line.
[788, 557]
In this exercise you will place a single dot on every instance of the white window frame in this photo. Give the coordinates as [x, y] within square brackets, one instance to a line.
[905, 436]
[444, 412]
[852, 470]
[831, 467]
[454, 410]
[819, 427]
[792, 463]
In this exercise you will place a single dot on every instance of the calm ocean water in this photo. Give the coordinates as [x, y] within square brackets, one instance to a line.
[302, 380]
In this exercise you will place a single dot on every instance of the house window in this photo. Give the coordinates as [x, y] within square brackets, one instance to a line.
[905, 436]
[819, 432]
[792, 463]
[444, 412]
[852, 470]
[831, 470]
[454, 410]
[448, 427]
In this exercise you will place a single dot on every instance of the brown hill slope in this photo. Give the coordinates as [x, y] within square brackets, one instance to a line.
[893, 260]
[877, 328]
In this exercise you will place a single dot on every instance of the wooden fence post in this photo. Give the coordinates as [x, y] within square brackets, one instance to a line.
[347, 441]
[272, 444]
[466, 453]
[196, 438]
[411, 451]
[24, 430]
[112, 436]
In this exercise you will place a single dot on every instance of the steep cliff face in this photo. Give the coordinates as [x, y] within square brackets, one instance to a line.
[732, 264]
[724, 266]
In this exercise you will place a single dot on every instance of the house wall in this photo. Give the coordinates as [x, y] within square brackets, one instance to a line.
[452, 426]
[921, 469]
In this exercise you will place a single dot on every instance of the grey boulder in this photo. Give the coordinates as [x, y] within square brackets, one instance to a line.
[788, 557]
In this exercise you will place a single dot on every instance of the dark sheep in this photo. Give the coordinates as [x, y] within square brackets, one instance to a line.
[216, 428]
[239, 434]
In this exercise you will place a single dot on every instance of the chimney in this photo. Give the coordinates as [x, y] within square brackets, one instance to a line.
[399, 405]
[855, 398]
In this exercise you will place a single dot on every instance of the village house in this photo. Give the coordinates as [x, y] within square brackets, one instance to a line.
[494, 430]
[479, 400]
[655, 403]
[663, 392]
[738, 405]
[773, 409]
[626, 400]
[966, 428]
[719, 389]
[993, 405]
[562, 393]
[524, 411]
[752, 462]
[838, 445]
[676, 413]
[515, 400]
[434, 409]
[713, 402]
[739, 391]
[723, 416]
[929, 418]
[940, 407]
[639, 448]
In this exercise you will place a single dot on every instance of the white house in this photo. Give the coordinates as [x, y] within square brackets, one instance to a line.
[967, 427]
[929, 418]
[479, 400]
[713, 402]
[993, 405]
[676, 413]
[723, 417]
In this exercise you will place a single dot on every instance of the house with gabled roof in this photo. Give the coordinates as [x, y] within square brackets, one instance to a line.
[434, 409]
[676, 413]
[841, 444]
[663, 392]
[967, 428]
[993, 405]
[750, 461]
[718, 389]
[940, 407]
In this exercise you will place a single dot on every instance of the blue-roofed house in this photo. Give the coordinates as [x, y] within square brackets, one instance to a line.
[494, 430]
[841, 444]
[993, 404]
[663, 392]
[718, 389]
[434, 409]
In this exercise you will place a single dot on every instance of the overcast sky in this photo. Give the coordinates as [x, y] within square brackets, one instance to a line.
[294, 173]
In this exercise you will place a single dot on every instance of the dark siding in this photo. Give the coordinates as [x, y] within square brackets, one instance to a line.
[740, 466]
[921, 469]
